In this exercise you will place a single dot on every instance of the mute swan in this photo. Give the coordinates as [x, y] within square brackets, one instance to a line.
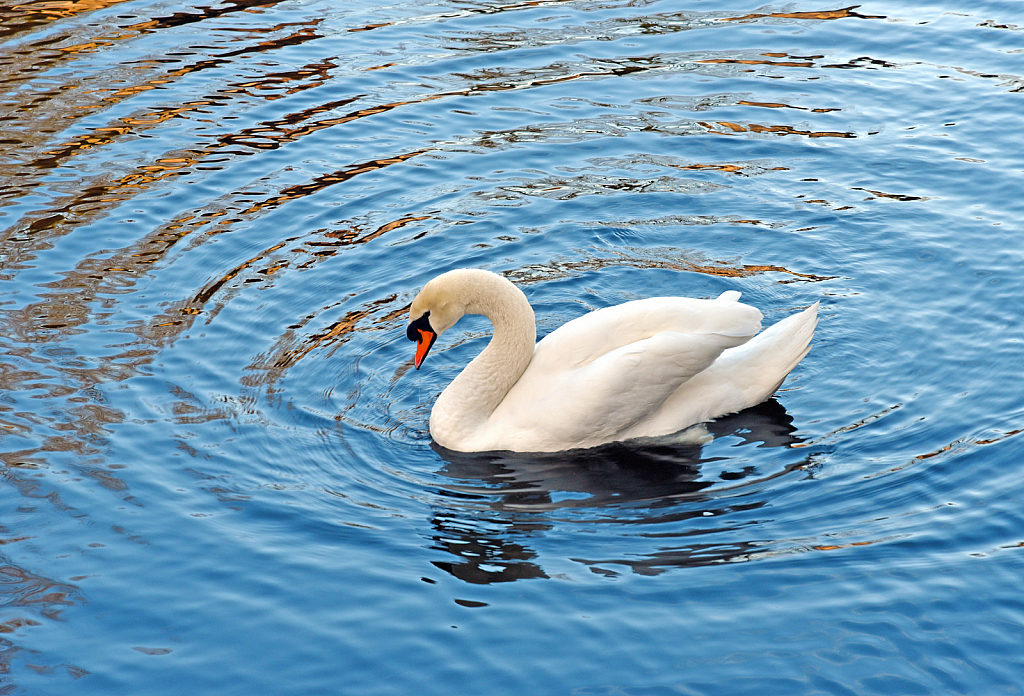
[640, 369]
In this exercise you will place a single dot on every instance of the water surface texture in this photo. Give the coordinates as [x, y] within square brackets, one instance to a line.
[216, 471]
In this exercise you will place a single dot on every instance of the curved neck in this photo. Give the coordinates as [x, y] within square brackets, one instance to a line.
[472, 397]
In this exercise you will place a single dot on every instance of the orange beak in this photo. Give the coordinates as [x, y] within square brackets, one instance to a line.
[423, 345]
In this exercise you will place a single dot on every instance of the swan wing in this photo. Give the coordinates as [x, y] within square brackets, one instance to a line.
[594, 335]
[584, 405]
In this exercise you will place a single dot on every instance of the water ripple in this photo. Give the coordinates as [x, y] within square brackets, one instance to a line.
[215, 217]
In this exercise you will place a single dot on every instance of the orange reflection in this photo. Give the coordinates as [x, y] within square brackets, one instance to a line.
[835, 547]
[525, 4]
[26, 16]
[777, 105]
[731, 169]
[325, 180]
[964, 443]
[65, 8]
[345, 237]
[894, 196]
[748, 61]
[845, 13]
[732, 128]
[639, 259]
[290, 350]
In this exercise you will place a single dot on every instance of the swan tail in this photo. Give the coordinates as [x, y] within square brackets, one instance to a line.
[742, 377]
[771, 355]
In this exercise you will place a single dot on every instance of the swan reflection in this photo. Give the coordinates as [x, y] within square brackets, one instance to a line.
[497, 503]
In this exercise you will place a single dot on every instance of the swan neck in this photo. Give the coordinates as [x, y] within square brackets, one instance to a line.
[473, 396]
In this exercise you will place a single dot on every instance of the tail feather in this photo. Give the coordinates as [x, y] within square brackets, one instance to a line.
[742, 377]
[792, 336]
[765, 360]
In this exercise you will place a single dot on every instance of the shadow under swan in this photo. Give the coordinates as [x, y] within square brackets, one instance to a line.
[496, 502]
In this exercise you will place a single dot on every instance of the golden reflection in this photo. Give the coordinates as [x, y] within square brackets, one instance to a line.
[26, 16]
[273, 134]
[70, 94]
[371, 27]
[827, 437]
[836, 547]
[748, 61]
[179, 316]
[325, 180]
[204, 296]
[893, 196]
[487, 10]
[291, 348]
[335, 333]
[179, 162]
[135, 124]
[645, 259]
[731, 168]
[800, 62]
[21, 588]
[286, 354]
[777, 105]
[958, 446]
[845, 13]
[65, 8]
[735, 128]
[964, 444]
[94, 277]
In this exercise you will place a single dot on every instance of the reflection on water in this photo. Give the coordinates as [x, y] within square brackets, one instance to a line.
[622, 474]
[499, 500]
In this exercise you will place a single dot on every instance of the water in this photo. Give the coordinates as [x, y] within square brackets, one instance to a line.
[217, 476]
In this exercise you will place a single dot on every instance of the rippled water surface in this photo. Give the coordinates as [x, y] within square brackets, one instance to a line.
[217, 477]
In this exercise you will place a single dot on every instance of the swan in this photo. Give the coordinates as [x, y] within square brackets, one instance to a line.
[644, 368]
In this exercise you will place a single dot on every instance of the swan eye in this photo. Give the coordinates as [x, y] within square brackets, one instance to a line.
[421, 324]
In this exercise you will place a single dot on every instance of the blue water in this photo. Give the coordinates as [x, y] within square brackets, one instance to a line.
[217, 475]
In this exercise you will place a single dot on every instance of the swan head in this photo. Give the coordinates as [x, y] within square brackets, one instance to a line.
[452, 295]
[439, 305]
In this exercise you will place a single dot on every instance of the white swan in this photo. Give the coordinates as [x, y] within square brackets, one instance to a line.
[640, 369]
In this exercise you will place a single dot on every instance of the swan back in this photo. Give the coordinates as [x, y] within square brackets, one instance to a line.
[596, 334]
[613, 369]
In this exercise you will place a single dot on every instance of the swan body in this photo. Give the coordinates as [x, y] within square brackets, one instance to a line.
[640, 369]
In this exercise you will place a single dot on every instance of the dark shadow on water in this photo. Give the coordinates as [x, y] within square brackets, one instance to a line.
[499, 500]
